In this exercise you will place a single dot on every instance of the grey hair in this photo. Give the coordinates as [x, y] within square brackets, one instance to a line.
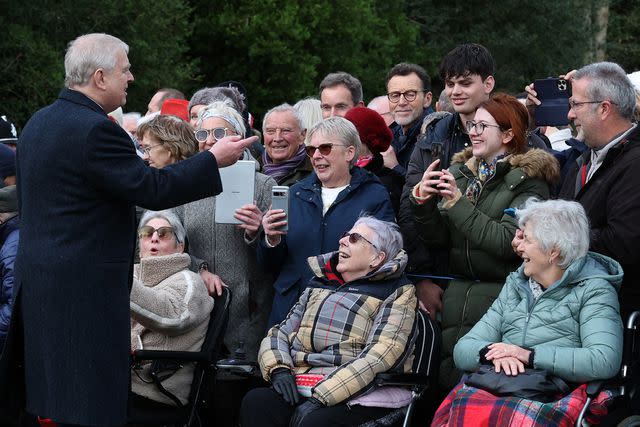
[89, 52]
[346, 79]
[207, 95]
[171, 218]
[225, 110]
[309, 111]
[285, 108]
[557, 224]
[387, 235]
[340, 128]
[609, 82]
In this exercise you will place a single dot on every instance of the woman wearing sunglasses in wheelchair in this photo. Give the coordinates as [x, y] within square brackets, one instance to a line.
[322, 206]
[354, 320]
[556, 325]
[170, 309]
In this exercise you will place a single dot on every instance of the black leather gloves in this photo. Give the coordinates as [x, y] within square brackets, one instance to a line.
[303, 410]
[284, 383]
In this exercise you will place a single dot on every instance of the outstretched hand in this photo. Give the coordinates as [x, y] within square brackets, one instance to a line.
[229, 149]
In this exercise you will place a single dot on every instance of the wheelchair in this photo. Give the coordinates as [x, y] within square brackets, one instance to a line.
[625, 408]
[199, 406]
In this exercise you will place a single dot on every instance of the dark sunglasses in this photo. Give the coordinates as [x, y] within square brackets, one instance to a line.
[218, 134]
[355, 238]
[324, 149]
[164, 233]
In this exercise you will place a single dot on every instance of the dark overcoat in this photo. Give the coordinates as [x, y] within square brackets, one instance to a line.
[79, 179]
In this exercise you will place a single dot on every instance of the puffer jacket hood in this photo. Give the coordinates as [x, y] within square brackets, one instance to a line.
[535, 163]
[324, 265]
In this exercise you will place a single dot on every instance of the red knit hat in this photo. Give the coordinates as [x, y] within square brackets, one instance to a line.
[371, 127]
[176, 107]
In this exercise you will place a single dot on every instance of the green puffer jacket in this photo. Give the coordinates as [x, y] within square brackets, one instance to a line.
[478, 238]
[574, 327]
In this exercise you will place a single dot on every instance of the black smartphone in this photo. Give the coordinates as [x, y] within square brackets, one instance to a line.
[553, 94]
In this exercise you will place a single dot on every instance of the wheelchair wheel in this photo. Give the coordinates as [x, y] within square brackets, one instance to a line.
[632, 421]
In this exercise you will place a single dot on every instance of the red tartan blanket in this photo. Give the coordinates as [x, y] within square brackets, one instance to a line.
[469, 406]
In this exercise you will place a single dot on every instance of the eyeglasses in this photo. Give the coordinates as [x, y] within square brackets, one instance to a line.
[164, 233]
[147, 150]
[324, 149]
[218, 134]
[479, 127]
[409, 95]
[575, 104]
[355, 238]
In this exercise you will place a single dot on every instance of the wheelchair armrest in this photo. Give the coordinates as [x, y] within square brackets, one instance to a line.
[180, 356]
[402, 379]
[594, 387]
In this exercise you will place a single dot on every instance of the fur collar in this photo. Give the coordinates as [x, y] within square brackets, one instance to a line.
[154, 269]
[535, 163]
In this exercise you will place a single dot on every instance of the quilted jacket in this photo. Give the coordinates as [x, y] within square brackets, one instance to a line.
[574, 326]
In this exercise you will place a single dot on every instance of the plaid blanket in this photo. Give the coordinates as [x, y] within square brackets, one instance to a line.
[469, 406]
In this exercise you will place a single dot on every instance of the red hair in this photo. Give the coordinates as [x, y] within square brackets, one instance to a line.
[509, 113]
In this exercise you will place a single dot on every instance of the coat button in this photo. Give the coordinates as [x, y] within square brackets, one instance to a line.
[522, 177]
[511, 187]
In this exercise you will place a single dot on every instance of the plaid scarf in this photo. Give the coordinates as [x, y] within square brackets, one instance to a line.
[281, 170]
[485, 172]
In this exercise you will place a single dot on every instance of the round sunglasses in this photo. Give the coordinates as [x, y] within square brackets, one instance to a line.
[218, 134]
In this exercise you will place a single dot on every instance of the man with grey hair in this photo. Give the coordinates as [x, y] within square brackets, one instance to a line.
[339, 92]
[606, 178]
[284, 158]
[380, 104]
[80, 180]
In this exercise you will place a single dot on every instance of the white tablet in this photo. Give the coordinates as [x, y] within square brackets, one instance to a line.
[238, 183]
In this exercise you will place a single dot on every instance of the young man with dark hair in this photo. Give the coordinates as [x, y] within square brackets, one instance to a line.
[339, 92]
[409, 96]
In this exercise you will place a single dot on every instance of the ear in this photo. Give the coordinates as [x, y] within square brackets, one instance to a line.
[99, 79]
[379, 260]
[428, 97]
[304, 135]
[489, 83]
[507, 136]
[360, 104]
[554, 255]
[607, 109]
[180, 247]
[351, 151]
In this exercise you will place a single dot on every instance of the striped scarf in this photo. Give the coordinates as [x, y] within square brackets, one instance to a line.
[280, 170]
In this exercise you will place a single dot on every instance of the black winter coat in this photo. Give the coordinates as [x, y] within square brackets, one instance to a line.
[79, 179]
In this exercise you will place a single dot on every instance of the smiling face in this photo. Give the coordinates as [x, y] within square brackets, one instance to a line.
[156, 246]
[360, 258]
[282, 136]
[406, 112]
[492, 142]
[155, 152]
[467, 92]
[211, 123]
[536, 262]
[333, 169]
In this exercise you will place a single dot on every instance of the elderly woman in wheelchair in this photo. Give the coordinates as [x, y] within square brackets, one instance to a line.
[555, 326]
[354, 320]
[170, 310]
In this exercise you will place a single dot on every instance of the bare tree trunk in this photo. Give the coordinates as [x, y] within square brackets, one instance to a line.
[600, 27]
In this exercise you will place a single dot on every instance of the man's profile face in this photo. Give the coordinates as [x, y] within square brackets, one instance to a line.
[154, 105]
[467, 91]
[584, 116]
[117, 81]
[335, 101]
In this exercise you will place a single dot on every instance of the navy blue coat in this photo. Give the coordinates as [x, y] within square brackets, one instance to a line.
[79, 179]
[312, 234]
[9, 235]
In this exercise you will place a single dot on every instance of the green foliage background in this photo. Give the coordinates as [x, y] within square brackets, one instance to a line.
[280, 50]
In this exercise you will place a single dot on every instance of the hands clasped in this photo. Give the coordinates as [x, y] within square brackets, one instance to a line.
[508, 357]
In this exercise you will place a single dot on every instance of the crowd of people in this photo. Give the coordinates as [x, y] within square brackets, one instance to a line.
[519, 248]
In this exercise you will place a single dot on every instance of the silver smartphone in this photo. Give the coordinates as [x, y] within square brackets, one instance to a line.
[280, 200]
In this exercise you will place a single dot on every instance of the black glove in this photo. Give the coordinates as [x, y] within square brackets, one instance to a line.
[284, 383]
[303, 410]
